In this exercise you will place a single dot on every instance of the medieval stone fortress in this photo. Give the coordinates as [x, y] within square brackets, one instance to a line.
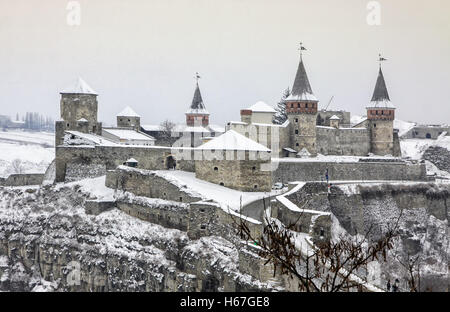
[317, 170]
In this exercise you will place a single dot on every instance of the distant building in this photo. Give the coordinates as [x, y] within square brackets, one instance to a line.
[431, 132]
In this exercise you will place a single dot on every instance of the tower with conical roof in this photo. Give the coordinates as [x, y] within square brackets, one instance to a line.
[301, 108]
[128, 118]
[197, 115]
[380, 116]
[79, 109]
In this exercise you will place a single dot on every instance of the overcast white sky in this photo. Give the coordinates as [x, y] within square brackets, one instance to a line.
[144, 53]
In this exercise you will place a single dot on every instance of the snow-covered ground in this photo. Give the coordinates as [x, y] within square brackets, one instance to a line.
[226, 197]
[28, 137]
[414, 148]
[403, 126]
[34, 150]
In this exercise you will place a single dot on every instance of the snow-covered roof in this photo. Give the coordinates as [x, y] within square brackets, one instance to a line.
[381, 104]
[290, 150]
[231, 140]
[96, 139]
[304, 153]
[301, 90]
[185, 128]
[216, 128]
[334, 117]
[79, 87]
[201, 111]
[128, 112]
[131, 160]
[305, 96]
[128, 134]
[82, 120]
[262, 107]
[152, 127]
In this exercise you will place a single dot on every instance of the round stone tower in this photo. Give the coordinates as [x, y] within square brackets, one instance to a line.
[380, 116]
[301, 108]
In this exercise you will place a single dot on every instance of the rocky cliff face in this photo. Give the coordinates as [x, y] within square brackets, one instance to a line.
[423, 225]
[439, 156]
[48, 242]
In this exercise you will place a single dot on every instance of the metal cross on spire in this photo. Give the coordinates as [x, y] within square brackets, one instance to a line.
[381, 59]
[197, 77]
[301, 48]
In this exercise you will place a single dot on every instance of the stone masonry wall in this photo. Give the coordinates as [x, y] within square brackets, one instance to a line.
[381, 137]
[22, 179]
[146, 183]
[352, 141]
[199, 217]
[245, 175]
[149, 157]
[306, 136]
[315, 171]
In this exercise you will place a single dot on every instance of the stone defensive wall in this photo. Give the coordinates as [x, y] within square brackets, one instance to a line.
[304, 209]
[80, 162]
[153, 198]
[287, 170]
[343, 141]
[23, 179]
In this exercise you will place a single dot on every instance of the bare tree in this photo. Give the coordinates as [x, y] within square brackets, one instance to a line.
[17, 166]
[167, 127]
[412, 266]
[327, 266]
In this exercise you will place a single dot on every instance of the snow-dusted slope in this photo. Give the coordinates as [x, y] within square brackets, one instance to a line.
[34, 151]
[114, 251]
[403, 126]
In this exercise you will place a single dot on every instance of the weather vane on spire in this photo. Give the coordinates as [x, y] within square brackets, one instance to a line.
[381, 59]
[302, 48]
[197, 77]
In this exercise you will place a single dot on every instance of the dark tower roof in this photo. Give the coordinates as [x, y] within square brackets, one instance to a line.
[380, 94]
[301, 89]
[301, 83]
[197, 105]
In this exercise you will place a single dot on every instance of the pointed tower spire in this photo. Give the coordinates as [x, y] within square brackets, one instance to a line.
[197, 101]
[197, 112]
[380, 93]
[301, 90]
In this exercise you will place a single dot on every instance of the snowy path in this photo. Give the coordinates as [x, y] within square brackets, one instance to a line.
[303, 241]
